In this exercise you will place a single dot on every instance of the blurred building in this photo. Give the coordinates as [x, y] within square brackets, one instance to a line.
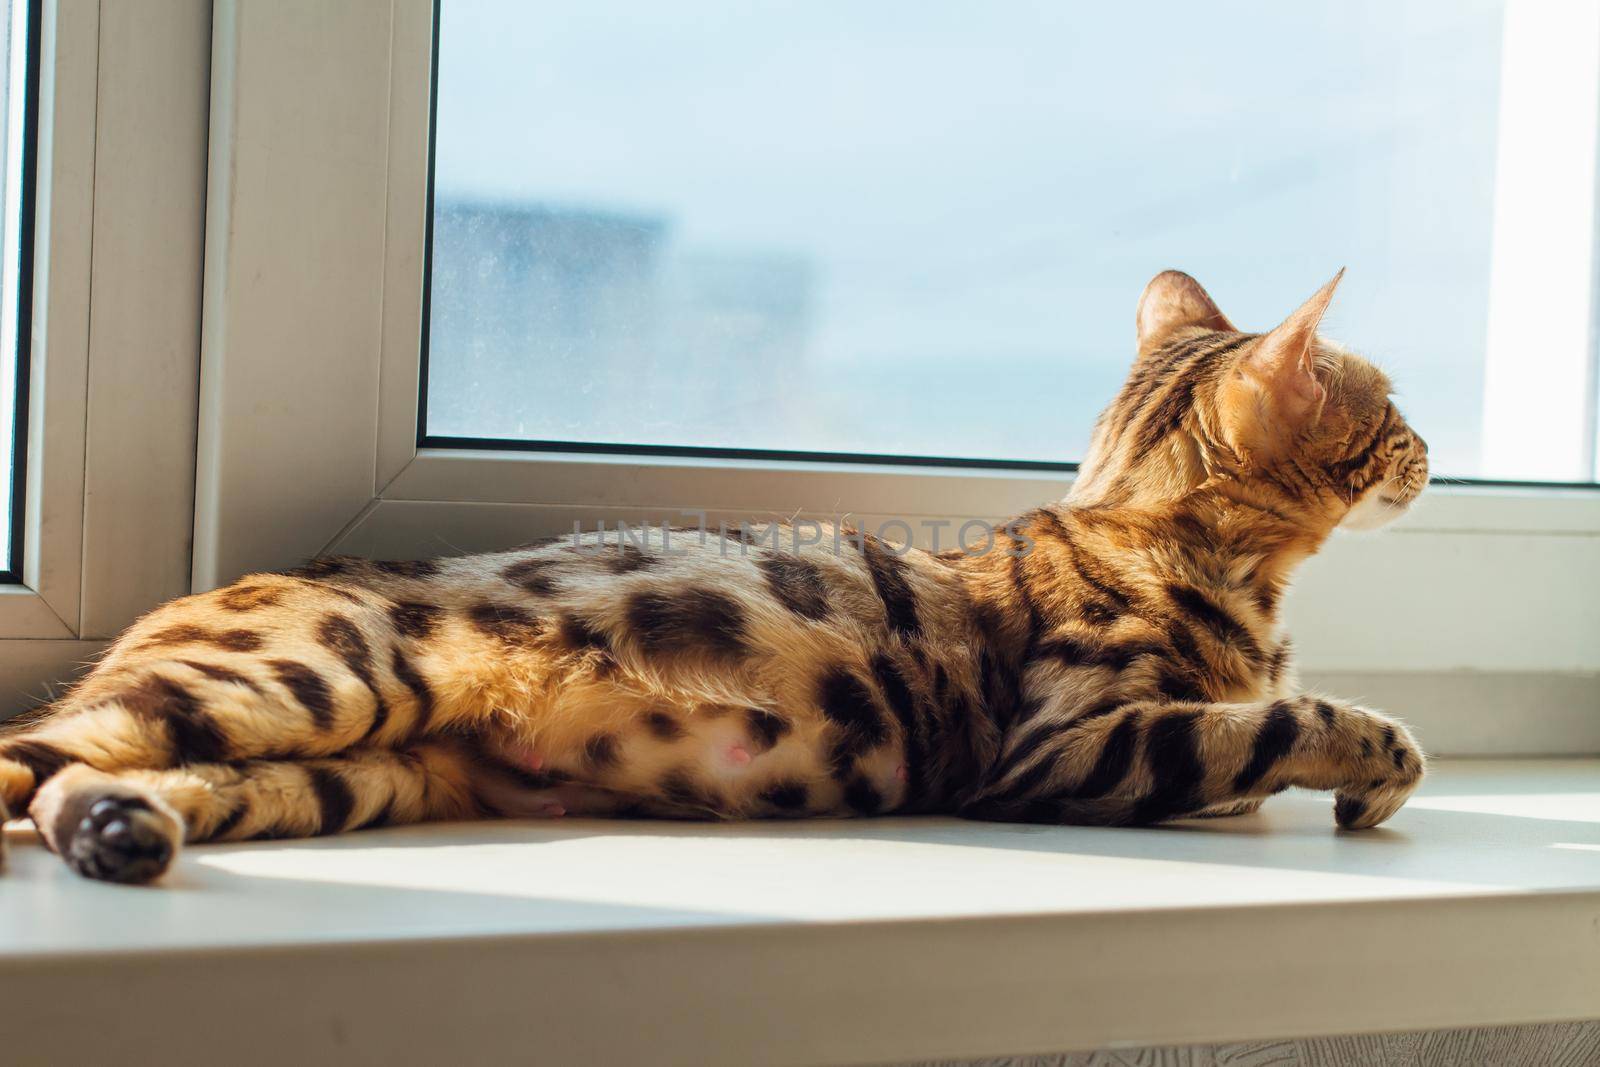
[591, 325]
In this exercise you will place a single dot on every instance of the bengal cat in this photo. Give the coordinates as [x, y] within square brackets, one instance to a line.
[1116, 658]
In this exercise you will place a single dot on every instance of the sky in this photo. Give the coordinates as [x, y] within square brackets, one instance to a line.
[977, 193]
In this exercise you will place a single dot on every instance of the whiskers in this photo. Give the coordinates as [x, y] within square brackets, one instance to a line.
[1410, 486]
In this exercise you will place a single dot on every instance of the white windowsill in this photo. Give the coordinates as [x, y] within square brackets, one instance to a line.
[826, 942]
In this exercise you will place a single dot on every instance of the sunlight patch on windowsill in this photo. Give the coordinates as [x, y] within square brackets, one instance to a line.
[856, 873]
[1560, 807]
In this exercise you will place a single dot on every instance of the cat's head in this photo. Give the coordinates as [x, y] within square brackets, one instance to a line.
[1284, 420]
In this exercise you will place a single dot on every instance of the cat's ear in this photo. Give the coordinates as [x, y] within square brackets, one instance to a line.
[1173, 300]
[1281, 364]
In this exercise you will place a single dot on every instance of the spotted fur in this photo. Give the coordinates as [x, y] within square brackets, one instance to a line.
[1117, 658]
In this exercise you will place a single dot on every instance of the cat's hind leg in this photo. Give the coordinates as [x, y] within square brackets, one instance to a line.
[165, 712]
[127, 826]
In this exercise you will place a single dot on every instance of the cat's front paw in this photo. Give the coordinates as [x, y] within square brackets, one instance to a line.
[1389, 770]
[1230, 808]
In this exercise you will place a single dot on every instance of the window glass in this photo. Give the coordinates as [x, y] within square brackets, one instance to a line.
[917, 228]
[15, 157]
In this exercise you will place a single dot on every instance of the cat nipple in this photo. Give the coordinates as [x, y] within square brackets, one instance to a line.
[901, 774]
[737, 755]
[552, 810]
[525, 757]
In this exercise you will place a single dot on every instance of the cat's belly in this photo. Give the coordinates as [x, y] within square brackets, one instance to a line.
[653, 757]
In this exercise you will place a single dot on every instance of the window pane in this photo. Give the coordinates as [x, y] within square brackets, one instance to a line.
[14, 155]
[920, 229]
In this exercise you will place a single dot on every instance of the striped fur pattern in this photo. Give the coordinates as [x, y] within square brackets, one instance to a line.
[1116, 658]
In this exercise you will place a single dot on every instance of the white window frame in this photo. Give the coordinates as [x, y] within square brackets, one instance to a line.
[1474, 618]
[113, 364]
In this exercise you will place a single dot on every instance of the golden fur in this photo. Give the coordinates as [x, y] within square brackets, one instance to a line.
[1115, 658]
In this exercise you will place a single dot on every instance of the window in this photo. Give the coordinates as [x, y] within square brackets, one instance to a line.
[18, 128]
[917, 230]
[137, 420]
[105, 115]
[550, 395]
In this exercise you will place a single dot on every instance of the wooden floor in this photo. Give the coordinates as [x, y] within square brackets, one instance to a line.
[1551, 1045]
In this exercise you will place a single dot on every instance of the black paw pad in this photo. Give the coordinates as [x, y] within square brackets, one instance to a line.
[1347, 810]
[121, 839]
